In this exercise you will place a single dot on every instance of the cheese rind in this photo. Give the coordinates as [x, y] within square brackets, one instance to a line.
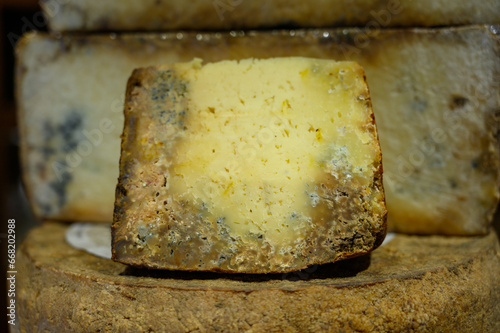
[130, 15]
[434, 94]
[251, 166]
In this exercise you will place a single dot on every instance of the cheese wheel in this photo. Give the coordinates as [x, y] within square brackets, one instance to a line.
[115, 15]
[413, 283]
[434, 94]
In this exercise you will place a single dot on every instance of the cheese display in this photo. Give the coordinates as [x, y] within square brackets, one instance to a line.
[250, 166]
[113, 15]
[413, 283]
[434, 93]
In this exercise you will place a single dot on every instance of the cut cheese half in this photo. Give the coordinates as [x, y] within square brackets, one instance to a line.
[252, 166]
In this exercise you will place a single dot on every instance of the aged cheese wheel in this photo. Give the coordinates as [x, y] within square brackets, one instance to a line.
[434, 94]
[95, 15]
[250, 166]
[413, 283]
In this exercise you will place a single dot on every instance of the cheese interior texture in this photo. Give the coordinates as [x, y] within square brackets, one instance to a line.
[253, 155]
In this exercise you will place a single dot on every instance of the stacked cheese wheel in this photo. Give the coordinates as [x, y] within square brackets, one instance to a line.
[413, 283]
[435, 99]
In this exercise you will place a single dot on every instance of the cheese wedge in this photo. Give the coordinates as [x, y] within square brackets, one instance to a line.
[251, 166]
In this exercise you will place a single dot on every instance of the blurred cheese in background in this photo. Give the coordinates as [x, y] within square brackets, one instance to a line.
[132, 15]
[435, 97]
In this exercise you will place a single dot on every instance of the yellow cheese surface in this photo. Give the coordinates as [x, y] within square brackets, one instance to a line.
[253, 155]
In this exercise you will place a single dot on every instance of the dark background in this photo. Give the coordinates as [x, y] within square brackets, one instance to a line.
[17, 17]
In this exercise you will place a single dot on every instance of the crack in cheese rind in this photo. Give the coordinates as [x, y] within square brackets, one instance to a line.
[246, 177]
